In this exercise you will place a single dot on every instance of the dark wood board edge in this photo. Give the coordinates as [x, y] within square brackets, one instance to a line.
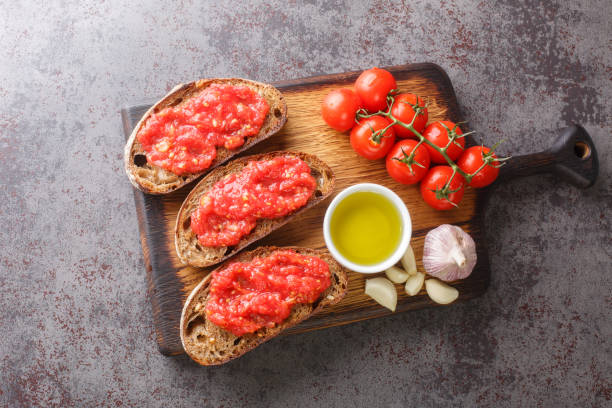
[159, 274]
[349, 76]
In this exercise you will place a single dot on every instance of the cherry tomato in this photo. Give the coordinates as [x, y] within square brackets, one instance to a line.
[438, 134]
[403, 109]
[400, 170]
[366, 140]
[435, 179]
[339, 108]
[472, 159]
[372, 87]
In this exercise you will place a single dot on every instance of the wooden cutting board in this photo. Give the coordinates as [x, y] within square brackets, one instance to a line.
[170, 282]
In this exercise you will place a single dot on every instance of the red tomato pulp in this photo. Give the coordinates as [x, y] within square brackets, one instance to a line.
[263, 189]
[184, 139]
[246, 296]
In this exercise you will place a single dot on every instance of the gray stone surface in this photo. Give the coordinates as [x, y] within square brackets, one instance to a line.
[75, 325]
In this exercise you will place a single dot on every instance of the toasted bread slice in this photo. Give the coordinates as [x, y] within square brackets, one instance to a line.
[209, 344]
[152, 179]
[189, 249]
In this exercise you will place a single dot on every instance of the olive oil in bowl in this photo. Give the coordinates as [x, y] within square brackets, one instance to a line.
[366, 228]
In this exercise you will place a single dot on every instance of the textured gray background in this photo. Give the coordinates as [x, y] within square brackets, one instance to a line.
[75, 324]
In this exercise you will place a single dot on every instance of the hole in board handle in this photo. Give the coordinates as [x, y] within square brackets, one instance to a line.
[582, 150]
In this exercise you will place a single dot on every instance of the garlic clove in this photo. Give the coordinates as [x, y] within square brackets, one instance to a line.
[414, 283]
[449, 253]
[409, 261]
[440, 292]
[382, 291]
[396, 275]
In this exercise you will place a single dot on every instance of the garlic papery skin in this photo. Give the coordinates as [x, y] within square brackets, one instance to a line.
[449, 253]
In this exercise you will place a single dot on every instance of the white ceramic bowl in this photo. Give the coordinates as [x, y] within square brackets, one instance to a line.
[406, 227]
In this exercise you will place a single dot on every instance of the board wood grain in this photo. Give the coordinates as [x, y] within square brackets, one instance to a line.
[170, 282]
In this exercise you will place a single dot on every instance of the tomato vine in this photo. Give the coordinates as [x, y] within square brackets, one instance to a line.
[488, 159]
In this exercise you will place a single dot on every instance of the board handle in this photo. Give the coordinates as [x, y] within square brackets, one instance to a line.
[572, 158]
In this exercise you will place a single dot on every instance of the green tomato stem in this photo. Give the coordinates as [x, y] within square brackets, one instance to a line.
[442, 150]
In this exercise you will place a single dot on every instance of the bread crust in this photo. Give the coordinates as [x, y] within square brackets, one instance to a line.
[152, 179]
[208, 344]
[191, 252]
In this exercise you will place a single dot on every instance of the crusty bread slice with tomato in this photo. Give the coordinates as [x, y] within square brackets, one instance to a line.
[152, 179]
[191, 251]
[209, 344]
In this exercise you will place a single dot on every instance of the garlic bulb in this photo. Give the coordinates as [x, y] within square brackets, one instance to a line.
[449, 253]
